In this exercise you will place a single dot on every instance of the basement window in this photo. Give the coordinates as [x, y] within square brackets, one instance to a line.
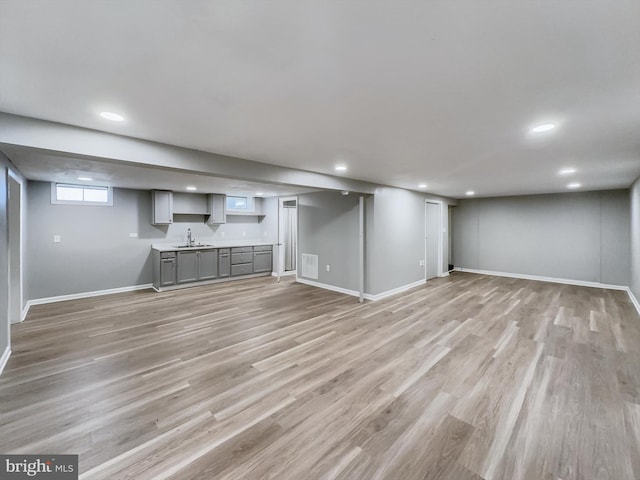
[237, 203]
[70, 194]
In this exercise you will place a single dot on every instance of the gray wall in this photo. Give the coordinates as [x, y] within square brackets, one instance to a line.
[96, 251]
[577, 236]
[396, 238]
[328, 225]
[635, 239]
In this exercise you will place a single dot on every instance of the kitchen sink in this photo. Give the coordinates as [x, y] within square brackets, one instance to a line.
[195, 245]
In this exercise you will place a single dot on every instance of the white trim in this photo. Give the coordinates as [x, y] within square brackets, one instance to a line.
[23, 201]
[76, 296]
[634, 300]
[5, 358]
[445, 274]
[355, 293]
[388, 293]
[537, 278]
[284, 274]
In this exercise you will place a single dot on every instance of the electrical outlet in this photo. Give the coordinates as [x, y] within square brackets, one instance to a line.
[328, 268]
[133, 235]
[244, 234]
[421, 264]
[57, 239]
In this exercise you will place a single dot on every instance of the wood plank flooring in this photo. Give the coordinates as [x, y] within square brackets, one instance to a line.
[468, 377]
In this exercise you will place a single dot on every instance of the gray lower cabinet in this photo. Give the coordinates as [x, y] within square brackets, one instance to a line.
[241, 261]
[187, 266]
[167, 271]
[224, 262]
[180, 267]
[261, 261]
[207, 264]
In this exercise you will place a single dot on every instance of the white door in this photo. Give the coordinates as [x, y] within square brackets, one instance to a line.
[432, 220]
[287, 247]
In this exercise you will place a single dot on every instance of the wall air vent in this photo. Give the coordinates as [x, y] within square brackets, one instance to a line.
[310, 266]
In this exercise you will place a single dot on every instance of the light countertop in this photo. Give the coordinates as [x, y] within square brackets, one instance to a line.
[170, 247]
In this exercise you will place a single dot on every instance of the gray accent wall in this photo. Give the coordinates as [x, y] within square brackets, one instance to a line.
[576, 236]
[328, 227]
[396, 238]
[96, 251]
[635, 239]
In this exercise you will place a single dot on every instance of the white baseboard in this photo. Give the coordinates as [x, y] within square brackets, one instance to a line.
[76, 296]
[326, 286]
[445, 274]
[634, 300]
[284, 274]
[5, 358]
[388, 293]
[537, 278]
[355, 293]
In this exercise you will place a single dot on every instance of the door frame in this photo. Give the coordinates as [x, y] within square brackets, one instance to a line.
[439, 270]
[279, 264]
[20, 181]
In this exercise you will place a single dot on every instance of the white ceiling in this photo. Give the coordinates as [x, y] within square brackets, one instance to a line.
[402, 92]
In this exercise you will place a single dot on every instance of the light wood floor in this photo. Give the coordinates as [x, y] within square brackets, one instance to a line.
[468, 377]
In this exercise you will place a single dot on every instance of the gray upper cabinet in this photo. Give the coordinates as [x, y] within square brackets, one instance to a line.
[161, 207]
[207, 264]
[187, 266]
[216, 209]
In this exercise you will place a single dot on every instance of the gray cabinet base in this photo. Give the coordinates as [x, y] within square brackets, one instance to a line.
[208, 282]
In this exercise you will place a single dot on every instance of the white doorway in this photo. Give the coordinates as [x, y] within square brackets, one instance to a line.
[14, 214]
[287, 236]
[433, 239]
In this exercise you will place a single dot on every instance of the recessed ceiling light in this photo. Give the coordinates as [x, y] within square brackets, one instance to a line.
[422, 185]
[470, 192]
[191, 187]
[259, 194]
[341, 168]
[115, 117]
[567, 171]
[85, 179]
[545, 127]
[574, 185]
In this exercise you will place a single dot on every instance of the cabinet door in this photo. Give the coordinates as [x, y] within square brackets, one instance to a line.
[187, 266]
[224, 265]
[217, 209]
[261, 262]
[167, 271]
[208, 264]
[162, 207]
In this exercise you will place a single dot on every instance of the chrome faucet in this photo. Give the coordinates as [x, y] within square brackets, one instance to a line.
[189, 238]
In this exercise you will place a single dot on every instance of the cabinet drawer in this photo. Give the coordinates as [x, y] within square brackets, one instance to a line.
[167, 254]
[224, 250]
[242, 250]
[237, 258]
[244, 269]
[262, 248]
